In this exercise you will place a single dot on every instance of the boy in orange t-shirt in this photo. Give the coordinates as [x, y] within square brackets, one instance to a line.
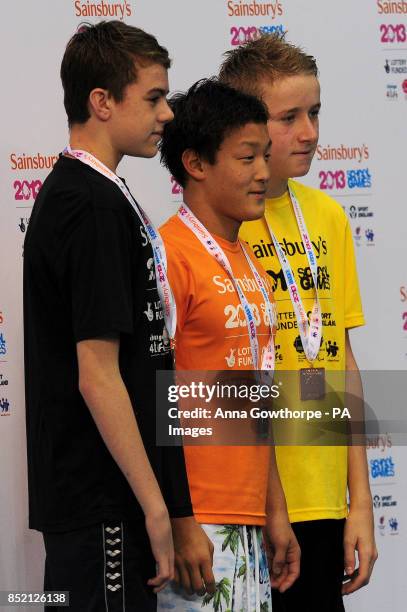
[218, 148]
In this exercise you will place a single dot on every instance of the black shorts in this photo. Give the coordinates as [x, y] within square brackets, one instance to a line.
[318, 589]
[104, 567]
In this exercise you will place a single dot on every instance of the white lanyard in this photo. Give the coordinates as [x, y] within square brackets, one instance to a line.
[310, 333]
[268, 358]
[160, 258]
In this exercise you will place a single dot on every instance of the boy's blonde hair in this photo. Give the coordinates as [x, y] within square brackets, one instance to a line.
[269, 57]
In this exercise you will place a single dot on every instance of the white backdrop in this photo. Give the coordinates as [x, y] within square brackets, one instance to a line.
[361, 49]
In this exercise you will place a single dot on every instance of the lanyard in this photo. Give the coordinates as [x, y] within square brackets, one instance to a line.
[268, 356]
[160, 258]
[310, 333]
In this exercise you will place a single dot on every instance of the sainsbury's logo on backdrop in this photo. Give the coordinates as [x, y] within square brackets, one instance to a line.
[342, 152]
[103, 8]
[389, 8]
[253, 8]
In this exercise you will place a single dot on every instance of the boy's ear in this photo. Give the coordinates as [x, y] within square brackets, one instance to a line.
[193, 164]
[100, 103]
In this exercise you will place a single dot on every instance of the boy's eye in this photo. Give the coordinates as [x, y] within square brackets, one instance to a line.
[289, 118]
[248, 157]
[267, 156]
[154, 100]
[315, 113]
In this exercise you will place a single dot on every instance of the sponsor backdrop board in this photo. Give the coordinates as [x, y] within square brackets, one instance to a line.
[361, 49]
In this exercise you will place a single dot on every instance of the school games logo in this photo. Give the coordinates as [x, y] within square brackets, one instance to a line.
[240, 34]
[357, 178]
[393, 33]
[254, 8]
[3, 345]
[383, 467]
[103, 8]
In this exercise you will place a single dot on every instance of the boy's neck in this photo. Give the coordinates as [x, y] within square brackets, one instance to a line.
[276, 187]
[214, 221]
[96, 143]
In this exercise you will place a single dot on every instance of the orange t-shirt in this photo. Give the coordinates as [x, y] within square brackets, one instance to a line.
[228, 484]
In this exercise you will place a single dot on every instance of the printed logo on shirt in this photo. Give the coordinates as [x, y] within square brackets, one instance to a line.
[304, 277]
[266, 249]
[154, 311]
[151, 269]
[239, 357]
[159, 343]
[144, 237]
[4, 407]
[103, 8]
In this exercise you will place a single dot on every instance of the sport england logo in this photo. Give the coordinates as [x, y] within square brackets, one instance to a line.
[3, 381]
[384, 501]
[359, 212]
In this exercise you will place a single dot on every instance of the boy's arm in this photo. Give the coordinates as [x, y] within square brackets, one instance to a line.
[106, 396]
[282, 547]
[359, 528]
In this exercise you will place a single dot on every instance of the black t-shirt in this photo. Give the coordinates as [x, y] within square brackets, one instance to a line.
[88, 273]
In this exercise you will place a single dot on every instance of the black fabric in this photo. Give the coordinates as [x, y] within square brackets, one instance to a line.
[104, 567]
[88, 272]
[318, 589]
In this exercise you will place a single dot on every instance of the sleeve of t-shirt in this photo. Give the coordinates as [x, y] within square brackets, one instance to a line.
[175, 483]
[100, 260]
[353, 303]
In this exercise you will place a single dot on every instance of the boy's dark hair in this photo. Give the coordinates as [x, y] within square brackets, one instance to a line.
[203, 117]
[267, 58]
[103, 55]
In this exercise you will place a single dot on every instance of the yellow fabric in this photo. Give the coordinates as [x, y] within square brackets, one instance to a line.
[314, 477]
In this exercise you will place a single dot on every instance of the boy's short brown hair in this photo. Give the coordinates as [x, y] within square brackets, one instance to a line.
[103, 55]
[269, 57]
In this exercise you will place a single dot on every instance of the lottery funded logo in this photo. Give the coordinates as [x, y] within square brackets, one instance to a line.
[395, 66]
[103, 8]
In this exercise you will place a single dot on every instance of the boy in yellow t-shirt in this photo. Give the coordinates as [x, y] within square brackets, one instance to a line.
[315, 478]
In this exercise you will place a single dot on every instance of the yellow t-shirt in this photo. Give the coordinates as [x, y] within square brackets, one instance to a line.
[228, 484]
[314, 477]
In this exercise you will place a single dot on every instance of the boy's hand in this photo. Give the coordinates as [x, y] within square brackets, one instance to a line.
[193, 556]
[283, 551]
[159, 532]
[359, 536]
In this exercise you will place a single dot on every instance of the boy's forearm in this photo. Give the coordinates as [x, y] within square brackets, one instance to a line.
[108, 401]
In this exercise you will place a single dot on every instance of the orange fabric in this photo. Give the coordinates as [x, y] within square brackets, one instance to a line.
[228, 483]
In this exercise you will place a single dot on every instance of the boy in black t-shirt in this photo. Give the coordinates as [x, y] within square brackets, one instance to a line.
[97, 482]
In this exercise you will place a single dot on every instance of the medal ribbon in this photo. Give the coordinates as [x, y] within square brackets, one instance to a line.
[160, 258]
[213, 248]
[310, 332]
